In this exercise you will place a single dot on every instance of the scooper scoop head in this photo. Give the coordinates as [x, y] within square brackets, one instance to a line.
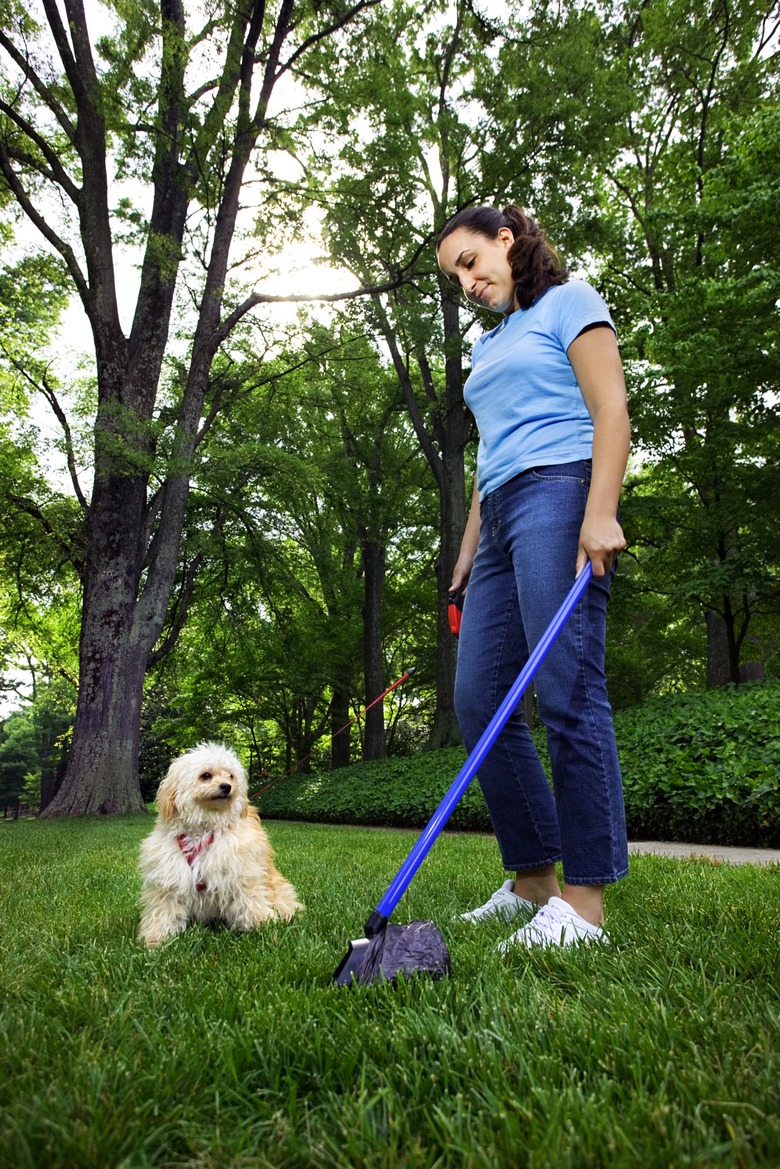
[417, 948]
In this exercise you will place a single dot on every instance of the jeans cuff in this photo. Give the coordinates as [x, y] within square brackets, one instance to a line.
[610, 880]
[509, 868]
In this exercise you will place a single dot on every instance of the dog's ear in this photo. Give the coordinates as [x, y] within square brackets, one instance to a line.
[246, 807]
[166, 796]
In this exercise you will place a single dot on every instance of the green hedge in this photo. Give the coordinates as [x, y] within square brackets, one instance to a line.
[704, 766]
[700, 767]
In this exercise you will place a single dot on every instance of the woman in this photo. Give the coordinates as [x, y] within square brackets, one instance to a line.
[548, 394]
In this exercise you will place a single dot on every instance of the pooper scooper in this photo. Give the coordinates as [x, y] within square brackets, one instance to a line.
[387, 950]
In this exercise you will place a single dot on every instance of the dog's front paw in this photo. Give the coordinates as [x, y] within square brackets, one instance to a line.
[157, 926]
[286, 901]
[245, 917]
[288, 910]
[150, 940]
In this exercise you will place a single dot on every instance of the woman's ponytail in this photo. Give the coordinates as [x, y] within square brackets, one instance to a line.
[535, 264]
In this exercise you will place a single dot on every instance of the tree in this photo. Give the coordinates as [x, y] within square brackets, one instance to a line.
[18, 758]
[41, 527]
[179, 111]
[377, 477]
[33, 743]
[458, 111]
[317, 564]
[698, 300]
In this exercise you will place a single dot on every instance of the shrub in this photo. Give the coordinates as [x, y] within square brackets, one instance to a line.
[402, 792]
[698, 767]
[704, 766]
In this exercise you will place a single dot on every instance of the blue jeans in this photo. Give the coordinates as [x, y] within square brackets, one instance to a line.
[524, 567]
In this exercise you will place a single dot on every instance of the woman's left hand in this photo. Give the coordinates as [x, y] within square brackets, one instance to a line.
[601, 541]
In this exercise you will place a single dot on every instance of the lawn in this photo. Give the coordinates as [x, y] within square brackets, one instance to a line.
[659, 1049]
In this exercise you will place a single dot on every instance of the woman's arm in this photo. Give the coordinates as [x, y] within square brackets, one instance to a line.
[596, 363]
[468, 546]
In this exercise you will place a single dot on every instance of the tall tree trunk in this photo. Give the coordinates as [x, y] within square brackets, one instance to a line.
[340, 751]
[102, 773]
[722, 660]
[445, 731]
[451, 430]
[373, 577]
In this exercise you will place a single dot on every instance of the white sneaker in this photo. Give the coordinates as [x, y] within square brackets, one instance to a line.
[504, 903]
[556, 924]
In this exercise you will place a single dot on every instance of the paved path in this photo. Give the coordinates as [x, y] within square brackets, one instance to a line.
[714, 852]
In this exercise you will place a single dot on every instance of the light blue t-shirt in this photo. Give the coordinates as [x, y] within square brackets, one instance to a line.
[522, 390]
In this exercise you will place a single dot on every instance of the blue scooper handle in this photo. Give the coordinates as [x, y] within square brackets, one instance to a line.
[378, 920]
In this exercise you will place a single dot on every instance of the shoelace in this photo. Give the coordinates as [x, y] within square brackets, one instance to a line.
[548, 920]
[543, 916]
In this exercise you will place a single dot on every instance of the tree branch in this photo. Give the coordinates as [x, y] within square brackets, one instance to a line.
[256, 298]
[64, 49]
[57, 173]
[182, 608]
[44, 388]
[318, 36]
[82, 49]
[46, 231]
[226, 88]
[59, 413]
[31, 508]
[40, 88]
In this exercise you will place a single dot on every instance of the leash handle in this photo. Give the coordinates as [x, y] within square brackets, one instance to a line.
[455, 612]
[470, 768]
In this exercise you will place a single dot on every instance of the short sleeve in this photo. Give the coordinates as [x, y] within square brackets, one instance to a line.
[579, 305]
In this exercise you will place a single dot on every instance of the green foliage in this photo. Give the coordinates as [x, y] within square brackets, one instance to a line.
[33, 745]
[652, 649]
[704, 766]
[306, 466]
[237, 1052]
[687, 250]
[662, 115]
[33, 293]
[18, 757]
[42, 529]
[696, 767]
[401, 792]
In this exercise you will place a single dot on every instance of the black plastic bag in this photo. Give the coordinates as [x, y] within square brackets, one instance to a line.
[417, 948]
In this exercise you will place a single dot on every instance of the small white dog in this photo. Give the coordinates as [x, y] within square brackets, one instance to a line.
[208, 857]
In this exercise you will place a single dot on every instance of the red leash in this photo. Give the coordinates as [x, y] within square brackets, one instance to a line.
[360, 713]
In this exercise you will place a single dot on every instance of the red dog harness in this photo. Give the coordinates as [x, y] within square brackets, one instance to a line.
[191, 850]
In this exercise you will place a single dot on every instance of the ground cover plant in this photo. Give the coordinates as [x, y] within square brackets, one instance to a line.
[700, 766]
[219, 1050]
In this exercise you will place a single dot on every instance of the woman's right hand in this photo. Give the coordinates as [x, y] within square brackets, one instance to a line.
[461, 573]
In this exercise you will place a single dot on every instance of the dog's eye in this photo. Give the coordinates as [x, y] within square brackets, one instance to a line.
[206, 775]
[230, 775]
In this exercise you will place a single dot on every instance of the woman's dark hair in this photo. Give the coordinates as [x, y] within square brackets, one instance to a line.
[535, 264]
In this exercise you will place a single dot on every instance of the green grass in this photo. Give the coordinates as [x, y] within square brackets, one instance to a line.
[659, 1049]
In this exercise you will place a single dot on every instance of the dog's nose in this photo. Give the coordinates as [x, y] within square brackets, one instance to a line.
[225, 789]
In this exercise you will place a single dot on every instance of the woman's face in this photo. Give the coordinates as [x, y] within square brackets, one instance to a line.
[480, 266]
